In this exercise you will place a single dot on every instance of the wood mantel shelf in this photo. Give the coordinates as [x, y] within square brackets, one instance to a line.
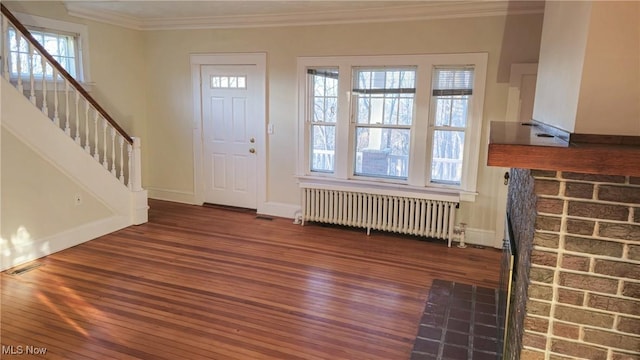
[537, 146]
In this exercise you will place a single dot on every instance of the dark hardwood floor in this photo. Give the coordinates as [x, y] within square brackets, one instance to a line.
[209, 283]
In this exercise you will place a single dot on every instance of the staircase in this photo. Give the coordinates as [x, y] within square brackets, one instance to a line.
[53, 116]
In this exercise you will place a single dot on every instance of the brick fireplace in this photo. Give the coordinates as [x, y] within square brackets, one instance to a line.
[576, 221]
[576, 291]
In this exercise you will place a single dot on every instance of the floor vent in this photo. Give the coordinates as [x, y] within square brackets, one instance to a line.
[24, 269]
[264, 217]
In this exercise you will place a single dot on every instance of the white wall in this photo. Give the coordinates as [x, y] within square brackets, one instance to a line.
[610, 88]
[116, 70]
[38, 214]
[170, 95]
[144, 79]
[38, 202]
[589, 70]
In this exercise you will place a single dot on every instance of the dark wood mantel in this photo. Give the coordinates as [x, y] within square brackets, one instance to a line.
[537, 146]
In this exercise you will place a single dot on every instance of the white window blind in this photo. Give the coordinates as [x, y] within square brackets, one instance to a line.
[452, 81]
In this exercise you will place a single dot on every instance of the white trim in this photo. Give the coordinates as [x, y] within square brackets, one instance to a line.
[26, 84]
[260, 61]
[279, 209]
[38, 248]
[422, 11]
[512, 115]
[84, 75]
[378, 188]
[479, 237]
[185, 197]
[515, 82]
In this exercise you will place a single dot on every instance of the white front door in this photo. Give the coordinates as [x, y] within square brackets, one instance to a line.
[230, 120]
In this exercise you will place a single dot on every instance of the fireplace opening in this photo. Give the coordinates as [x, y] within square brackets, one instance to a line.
[507, 280]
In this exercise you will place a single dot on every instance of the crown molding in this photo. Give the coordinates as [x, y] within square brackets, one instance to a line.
[423, 11]
[85, 11]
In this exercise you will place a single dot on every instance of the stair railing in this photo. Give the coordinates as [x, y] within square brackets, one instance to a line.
[29, 67]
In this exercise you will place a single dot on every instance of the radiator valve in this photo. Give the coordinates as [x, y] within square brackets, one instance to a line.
[297, 218]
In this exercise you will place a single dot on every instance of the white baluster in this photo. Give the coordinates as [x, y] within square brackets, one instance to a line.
[113, 151]
[87, 147]
[32, 79]
[45, 109]
[18, 62]
[105, 163]
[67, 125]
[5, 48]
[56, 118]
[130, 155]
[96, 154]
[121, 159]
[78, 140]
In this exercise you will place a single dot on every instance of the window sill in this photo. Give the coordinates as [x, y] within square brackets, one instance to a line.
[26, 84]
[383, 188]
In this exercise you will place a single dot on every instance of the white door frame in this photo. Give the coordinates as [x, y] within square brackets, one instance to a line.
[258, 59]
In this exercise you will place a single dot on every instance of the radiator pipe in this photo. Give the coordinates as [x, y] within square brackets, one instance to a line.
[462, 244]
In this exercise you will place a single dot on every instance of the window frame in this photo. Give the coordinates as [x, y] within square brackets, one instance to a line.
[356, 125]
[434, 127]
[66, 28]
[422, 128]
[311, 97]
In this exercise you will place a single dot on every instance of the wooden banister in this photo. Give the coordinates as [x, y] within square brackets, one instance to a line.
[23, 30]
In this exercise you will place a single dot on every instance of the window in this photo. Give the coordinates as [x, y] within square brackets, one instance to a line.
[61, 46]
[64, 41]
[229, 82]
[452, 89]
[411, 120]
[383, 109]
[323, 100]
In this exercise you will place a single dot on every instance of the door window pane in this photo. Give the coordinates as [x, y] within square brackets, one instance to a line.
[228, 82]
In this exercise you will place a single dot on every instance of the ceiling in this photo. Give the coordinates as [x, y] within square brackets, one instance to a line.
[154, 15]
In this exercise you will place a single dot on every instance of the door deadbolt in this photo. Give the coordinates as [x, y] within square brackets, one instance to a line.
[252, 150]
[252, 140]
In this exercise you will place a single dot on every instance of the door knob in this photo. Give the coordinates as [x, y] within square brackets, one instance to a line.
[252, 150]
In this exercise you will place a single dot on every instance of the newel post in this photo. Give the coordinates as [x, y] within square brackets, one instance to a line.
[136, 166]
[139, 204]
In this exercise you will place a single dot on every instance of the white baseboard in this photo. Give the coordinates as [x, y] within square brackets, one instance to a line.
[18, 254]
[184, 197]
[279, 209]
[479, 237]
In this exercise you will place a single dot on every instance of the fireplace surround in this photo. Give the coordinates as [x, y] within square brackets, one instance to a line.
[576, 292]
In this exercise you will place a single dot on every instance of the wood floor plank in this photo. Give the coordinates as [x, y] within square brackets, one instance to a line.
[213, 283]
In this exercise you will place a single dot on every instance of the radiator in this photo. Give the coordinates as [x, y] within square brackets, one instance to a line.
[400, 214]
